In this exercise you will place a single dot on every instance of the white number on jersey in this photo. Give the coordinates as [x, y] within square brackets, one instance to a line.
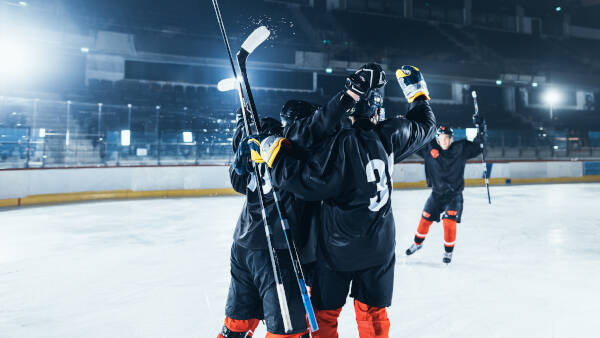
[383, 191]
[266, 183]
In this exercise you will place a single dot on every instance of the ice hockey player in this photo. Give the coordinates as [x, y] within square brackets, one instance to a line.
[445, 162]
[352, 176]
[252, 293]
[307, 124]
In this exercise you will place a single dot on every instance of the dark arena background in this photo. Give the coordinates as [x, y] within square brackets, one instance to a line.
[116, 207]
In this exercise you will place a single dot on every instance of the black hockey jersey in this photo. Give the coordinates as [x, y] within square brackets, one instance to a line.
[352, 174]
[302, 216]
[445, 169]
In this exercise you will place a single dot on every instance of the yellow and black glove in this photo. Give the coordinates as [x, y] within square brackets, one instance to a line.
[266, 150]
[412, 83]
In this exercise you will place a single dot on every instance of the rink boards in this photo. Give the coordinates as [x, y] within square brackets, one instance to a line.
[56, 185]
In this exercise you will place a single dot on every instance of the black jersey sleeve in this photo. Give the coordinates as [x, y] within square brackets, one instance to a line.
[317, 179]
[471, 149]
[238, 182]
[308, 132]
[411, 132]
[423, 151]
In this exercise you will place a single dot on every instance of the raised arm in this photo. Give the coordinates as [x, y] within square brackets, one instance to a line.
[472, 149]
[308, 130]
[411, 133]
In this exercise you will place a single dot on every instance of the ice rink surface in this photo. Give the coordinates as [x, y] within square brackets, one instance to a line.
[527, 266]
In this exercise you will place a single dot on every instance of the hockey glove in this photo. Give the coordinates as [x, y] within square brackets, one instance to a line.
[412, 83]
[241, 163]
[368, 77]
[266, 151]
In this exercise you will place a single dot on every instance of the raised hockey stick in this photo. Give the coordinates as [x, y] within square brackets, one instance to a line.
[283, 306]
[476, 121]
[257, 37]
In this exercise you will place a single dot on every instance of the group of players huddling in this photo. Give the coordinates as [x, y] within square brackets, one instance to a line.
[332, 166]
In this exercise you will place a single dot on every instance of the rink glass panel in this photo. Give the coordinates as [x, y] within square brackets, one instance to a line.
[44, 133]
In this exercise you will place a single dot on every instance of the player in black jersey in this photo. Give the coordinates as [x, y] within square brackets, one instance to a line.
[445, 162]
[351, 172]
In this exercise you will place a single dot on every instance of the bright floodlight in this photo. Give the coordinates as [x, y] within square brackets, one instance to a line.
[552, 97]
[125, 137]
[188, 137]
[15, 59]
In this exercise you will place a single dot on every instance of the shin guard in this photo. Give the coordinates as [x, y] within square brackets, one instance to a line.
[328, 323]
[422, 230]
[372, 321]
[449, 234]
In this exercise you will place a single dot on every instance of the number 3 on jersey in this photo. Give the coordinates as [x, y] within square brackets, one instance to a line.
[266, 183]
[381, 181]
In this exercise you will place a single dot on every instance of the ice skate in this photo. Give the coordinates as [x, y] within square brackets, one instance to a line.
[413, 248]
[447, 257]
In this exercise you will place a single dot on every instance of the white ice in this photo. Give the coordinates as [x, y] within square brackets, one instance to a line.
[527, 266]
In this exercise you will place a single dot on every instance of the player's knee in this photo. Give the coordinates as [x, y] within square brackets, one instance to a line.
[451, 215]
[238, 328]
[427, 216]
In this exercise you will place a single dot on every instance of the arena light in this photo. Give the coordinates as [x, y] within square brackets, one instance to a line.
[42, 132]
[534, 84]
[499, 82]
[552, 97]
[15, 59]
[23, 3]
[558, 8]
[85, 50]
[328, 70]
[125, 137]
[188, 137]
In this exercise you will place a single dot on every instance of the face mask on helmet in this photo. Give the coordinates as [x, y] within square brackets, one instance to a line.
[295, 110]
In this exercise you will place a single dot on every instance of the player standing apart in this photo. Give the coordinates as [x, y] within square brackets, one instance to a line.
[445, 162]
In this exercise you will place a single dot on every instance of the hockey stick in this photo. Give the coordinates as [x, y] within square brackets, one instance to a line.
[257, 37]
[283, 306]
[476, 121]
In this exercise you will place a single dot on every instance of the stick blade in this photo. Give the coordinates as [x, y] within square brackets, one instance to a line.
[474, 94]
[257, 37]
[228, 84]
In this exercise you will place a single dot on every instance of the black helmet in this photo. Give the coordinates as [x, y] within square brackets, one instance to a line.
[443, 129]
[270, 126]
[295, 110]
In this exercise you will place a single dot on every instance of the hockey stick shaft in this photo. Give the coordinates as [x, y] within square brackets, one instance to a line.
[285, 313]
[477, 120]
